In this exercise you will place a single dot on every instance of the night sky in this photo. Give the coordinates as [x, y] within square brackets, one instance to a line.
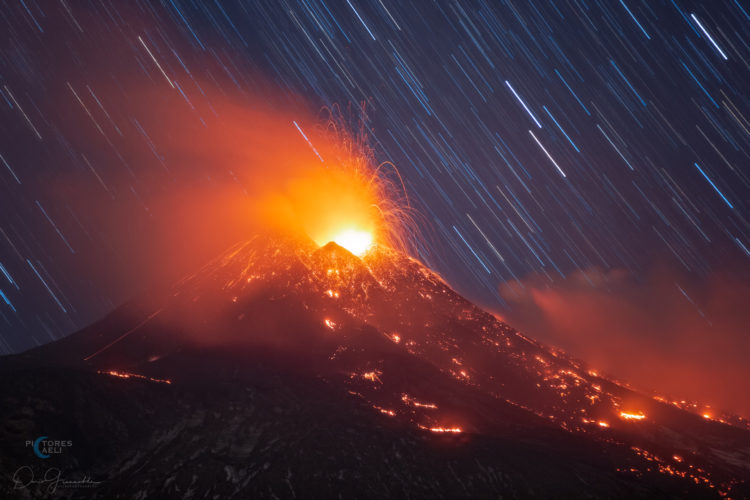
[542, 141]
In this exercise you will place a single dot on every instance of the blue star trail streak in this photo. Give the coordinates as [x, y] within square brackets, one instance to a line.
[536, 137]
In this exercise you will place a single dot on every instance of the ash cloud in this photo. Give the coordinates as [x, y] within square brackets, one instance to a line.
[672, 333]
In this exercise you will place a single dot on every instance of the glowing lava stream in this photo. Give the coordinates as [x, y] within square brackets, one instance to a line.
[632, 416]
[118, 374]
[442, 430]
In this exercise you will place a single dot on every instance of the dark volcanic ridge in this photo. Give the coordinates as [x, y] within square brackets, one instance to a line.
[285, 370]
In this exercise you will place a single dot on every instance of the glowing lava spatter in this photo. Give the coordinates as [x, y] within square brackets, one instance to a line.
[342, 195]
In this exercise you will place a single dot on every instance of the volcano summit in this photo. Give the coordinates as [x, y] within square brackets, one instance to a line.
[282, 369]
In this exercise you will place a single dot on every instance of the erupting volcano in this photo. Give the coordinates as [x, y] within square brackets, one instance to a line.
[374, 249]
[318, 359]
[287, 368]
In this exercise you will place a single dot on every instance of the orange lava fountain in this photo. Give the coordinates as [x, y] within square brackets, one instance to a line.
[340, 194]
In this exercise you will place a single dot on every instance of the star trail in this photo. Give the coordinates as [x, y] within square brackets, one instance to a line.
[536, 138]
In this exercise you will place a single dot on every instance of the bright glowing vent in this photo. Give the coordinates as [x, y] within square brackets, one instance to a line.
[356, 241]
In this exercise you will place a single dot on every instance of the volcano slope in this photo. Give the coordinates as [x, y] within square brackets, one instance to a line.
[284, 370]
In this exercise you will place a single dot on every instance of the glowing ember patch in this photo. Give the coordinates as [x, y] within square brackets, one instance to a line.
[332, 294]
[396, 338]
[632, 416]
[330, 324]
[603, 424]
[697, 475]
[373, 376]
[117, 374]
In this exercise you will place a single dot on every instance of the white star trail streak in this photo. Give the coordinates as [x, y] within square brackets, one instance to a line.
[710, 38]
[548, 155]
